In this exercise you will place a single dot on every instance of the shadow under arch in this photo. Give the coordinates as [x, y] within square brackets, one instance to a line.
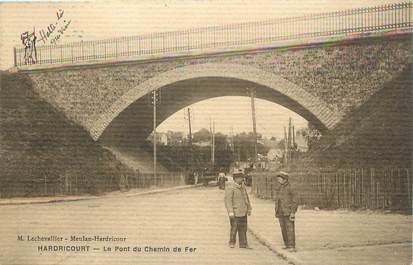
[132, 113]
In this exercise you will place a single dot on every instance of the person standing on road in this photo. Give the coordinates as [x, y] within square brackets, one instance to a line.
[221, 179]
[238, 206]
[286, 204]
[196, 177]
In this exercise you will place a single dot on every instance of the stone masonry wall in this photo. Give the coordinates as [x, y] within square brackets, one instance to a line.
[341, 76]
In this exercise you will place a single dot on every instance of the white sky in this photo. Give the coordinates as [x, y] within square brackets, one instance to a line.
[235, 113]
[105, 19]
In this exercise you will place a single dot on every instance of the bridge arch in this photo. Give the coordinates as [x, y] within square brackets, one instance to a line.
[268, 86]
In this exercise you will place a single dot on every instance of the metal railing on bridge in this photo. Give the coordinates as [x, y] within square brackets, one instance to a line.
[341, 23]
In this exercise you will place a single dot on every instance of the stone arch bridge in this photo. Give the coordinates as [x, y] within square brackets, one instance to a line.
[322, 83]
[322, 66]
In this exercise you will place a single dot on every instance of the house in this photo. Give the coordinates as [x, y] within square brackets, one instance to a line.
[161, 138]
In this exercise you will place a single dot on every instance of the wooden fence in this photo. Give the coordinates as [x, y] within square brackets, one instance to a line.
[371, 188]
[72, 185]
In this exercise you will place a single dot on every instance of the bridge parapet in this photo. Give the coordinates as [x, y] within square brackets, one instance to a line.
[354, 23]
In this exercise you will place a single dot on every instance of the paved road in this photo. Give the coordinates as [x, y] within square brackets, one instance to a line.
[194, 218]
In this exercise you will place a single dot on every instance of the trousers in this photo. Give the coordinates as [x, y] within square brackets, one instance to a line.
[287, 230]
[238, 225]
[221, 183]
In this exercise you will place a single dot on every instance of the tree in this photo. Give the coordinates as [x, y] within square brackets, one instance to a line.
[221, 141]
[311, 134]
[244, 146]
[203, 135]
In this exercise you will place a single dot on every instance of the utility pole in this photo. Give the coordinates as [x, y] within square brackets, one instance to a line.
[213, 144]
[289, 139]
[155, 100]
[293, 150]
[285, 147]
[254, 128]
[232, 141]
[232, 144]
[190, 138]
[212, 129]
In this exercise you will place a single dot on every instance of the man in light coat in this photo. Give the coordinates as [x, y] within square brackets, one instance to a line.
[286, 205]
[238, 206]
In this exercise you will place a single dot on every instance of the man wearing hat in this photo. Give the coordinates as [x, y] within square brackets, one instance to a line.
[285, 208]
[238, 206]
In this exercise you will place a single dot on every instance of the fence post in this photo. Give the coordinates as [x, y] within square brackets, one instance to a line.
[385, 178]
[344, 197]
[116, 48]
[139, 50]
[362, 193]
[213, 37]
[347, 187]
[127, 46]
[81, 49]
[161, 179]
[409, 188]
[94, 50]
[338, 188]
[356, 187]
[374, 179]
[352, 178]
[353, 181]
[348, 173]
[76, 186]
[150, 43]
[71, 52]
[369, 188]
[61, 53]
[163, 43]
[50, 53]
[15, 56]
[390, 187]
[45, 184]
[148, 180]
[353, 174]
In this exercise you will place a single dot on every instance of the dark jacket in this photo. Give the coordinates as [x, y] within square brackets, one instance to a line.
[237, 200]
[286, 201]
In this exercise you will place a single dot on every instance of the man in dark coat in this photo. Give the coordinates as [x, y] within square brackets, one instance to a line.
[221, 179]
[285, 208]
[238, 206]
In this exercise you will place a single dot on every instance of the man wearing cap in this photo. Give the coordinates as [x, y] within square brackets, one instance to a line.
[285, 208]
[238, 206]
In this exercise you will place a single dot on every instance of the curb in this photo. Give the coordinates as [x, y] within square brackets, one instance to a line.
[281, 253]
[85, 198]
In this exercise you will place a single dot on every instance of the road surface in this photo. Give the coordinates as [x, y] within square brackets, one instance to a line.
[146, 230]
